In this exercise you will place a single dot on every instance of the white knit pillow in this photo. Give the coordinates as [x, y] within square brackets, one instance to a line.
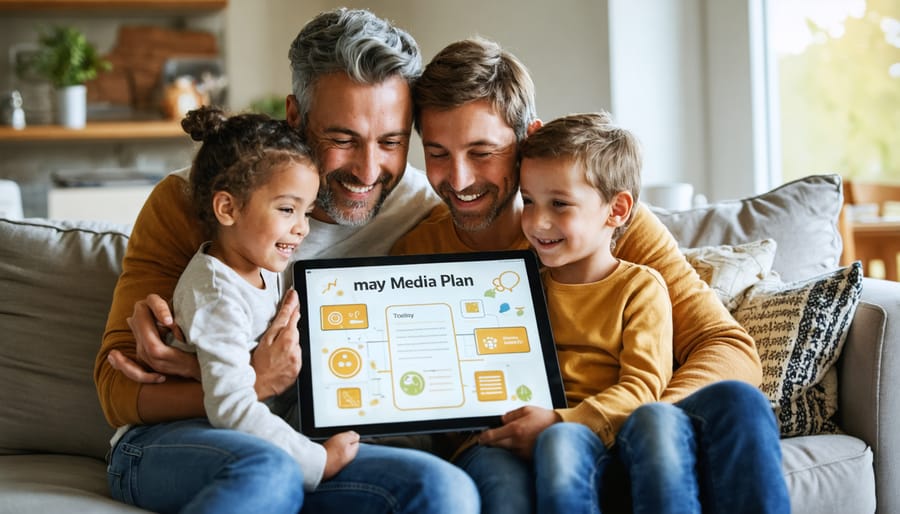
[731, 269]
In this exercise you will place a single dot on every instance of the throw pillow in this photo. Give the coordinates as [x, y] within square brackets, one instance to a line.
[731, 269]
[801, 216]
[800, 329]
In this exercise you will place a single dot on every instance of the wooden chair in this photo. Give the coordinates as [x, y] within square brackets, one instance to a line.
[876, 239]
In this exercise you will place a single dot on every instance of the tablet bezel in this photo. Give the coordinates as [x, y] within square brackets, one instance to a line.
[304, 383]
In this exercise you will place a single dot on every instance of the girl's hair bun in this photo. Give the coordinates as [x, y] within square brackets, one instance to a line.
[203, 122]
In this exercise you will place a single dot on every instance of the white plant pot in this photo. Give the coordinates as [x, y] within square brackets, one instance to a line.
[71, 106]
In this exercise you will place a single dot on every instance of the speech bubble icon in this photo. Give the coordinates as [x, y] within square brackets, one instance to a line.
[506, 281]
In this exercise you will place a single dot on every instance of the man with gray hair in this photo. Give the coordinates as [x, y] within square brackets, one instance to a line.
[351, 98]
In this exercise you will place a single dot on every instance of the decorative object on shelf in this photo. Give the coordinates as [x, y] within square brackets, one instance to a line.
[13, 114]
[180, 97]
[68, 60]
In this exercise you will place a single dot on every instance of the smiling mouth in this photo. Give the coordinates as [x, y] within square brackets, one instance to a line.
[468, 197]
[357, 189]
[547, 242]
[286, 248]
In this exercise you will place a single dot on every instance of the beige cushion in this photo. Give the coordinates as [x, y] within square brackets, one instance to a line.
[801, 216]
[731, 269]
[57, 288]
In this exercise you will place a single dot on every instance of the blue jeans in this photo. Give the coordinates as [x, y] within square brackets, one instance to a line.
[189, 466]
[505, 482]
[570, 463]
[739, 450]
[722, 440]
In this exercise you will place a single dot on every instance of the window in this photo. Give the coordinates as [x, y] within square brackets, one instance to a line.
[837, 87]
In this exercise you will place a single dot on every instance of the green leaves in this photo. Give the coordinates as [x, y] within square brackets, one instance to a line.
[66, 57]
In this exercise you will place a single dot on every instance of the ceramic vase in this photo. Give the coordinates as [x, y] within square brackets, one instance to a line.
[71, 106]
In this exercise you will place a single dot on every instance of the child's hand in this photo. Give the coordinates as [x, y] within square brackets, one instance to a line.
[520, 429]
[276, 359]
[341, 449]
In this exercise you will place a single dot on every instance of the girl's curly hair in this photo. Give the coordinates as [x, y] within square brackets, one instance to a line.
[237, 155]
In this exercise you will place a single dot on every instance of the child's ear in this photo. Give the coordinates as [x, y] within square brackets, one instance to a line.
[225, 207]
[620, 208]
[533, 126]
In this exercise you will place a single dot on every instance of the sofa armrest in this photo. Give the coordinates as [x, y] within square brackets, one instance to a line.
[869, 376]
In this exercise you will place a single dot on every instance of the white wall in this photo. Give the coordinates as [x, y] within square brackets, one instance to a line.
[658, 87]
[677, 73]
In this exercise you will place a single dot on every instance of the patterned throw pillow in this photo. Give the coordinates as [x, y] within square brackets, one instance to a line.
[800, 329]
[731, 269]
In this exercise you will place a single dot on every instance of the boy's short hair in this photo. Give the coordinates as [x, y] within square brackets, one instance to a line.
[477, 69]
[609, 155]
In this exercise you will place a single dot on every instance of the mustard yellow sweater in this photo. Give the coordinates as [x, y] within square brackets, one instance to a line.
[614, 343]
[165, 236]
[708, 344]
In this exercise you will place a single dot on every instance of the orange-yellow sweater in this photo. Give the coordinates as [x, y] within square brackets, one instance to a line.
[708, 344]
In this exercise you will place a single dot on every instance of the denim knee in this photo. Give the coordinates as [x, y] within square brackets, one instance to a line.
[560, 446]
[450, 489]
[731, 403]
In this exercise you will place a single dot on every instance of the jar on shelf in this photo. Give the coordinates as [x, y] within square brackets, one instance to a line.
[180, 97]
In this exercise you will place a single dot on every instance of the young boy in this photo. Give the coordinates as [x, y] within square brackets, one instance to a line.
[612, 319]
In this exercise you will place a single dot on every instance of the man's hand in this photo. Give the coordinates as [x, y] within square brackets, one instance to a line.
[150, 321]
[520, 429]
[340, 450]
[276, 358]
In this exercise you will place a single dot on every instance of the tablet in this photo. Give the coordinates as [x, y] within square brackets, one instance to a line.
[422, 343]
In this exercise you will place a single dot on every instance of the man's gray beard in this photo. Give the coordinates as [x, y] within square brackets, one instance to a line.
[327, 203]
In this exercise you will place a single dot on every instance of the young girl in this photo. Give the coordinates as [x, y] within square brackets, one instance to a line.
[253, 184]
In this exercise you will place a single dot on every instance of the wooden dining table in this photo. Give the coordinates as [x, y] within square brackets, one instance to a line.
[877, 238]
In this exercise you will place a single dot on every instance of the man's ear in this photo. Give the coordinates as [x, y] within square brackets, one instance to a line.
[292, 108]
[620, 208]
[533, 126]
[225, 207]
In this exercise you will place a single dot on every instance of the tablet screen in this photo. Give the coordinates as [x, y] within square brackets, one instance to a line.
[422, 343]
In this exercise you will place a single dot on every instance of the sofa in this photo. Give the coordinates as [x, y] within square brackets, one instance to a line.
[57, 278]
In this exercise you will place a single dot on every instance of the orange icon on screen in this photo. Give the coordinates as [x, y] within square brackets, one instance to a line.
[490, 386]
[345, 363]
[502, 340]
[349, 397]
[344, 317]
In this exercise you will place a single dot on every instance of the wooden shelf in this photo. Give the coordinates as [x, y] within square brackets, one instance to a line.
[173, 5]
[97, 131]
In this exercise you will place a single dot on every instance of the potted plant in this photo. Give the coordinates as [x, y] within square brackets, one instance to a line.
[68, 60]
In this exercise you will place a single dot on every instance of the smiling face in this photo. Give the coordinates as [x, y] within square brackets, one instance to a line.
[470, 160]
[269, 227]
[361, 136]
[566, 220]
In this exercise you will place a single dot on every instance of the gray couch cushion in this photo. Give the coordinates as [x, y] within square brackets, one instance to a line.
[57, 287]
[801, 216]
[56, 483]
[828, 473]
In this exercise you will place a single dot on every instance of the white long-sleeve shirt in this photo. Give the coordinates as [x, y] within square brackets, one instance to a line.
[222, 317]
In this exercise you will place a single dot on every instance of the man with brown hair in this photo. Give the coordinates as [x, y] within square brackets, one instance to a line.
[473, 104]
